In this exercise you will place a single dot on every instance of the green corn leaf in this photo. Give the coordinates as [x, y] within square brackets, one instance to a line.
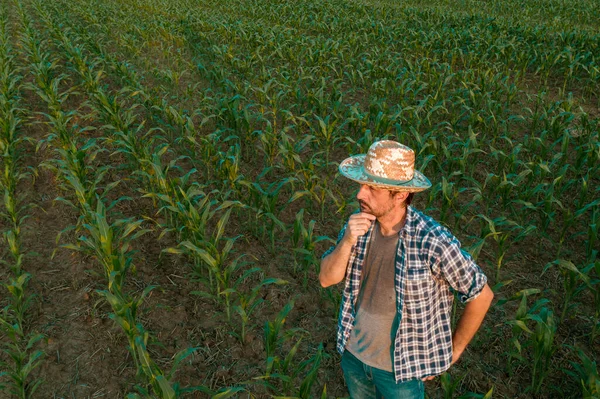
[178, 358]
[172, 250]
[297, 195]
[204, 255]
[569, 266]
[143, 356]
[203, 294]
[166, 389]
[324, 392]
[228, 393]
[33, 339]
[587, 207]
[521, 324]
[488, 395]
[130, 227]
[33, 362]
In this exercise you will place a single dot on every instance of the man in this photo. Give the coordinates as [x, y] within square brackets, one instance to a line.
[401, 268]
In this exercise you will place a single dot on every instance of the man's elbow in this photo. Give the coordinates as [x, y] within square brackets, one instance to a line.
[327, 280]
[487, 295]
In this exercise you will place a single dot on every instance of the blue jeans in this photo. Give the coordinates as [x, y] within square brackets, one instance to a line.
[366, 382]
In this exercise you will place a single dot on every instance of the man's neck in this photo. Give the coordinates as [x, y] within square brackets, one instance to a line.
[392, 222]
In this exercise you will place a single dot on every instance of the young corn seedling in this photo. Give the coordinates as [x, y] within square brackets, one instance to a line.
[506, 239]
[542, 342]
[265, 203]
[110, 244]
[326, 134]
[449, 385]
[591, 243]
[290, 150]
[281, 369]
[304, 242]
[212, 255]
[221, 283]
[574, 282]
[449, 194]
[515, 353]
[586, 374]
[20, 357]
[19, 347]
[228, 168]
[247, 302]
[273, 337]
[315, 189]
[592, 271]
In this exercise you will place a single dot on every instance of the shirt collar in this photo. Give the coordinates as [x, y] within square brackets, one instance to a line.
[411, 221]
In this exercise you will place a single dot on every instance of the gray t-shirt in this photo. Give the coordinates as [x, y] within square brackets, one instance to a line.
[372, 335]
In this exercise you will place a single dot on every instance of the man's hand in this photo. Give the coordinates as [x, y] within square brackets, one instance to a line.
[358, 225]
[455, 356]
[333, 266]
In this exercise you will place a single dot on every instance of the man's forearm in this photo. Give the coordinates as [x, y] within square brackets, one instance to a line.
[333, 266]
[470, 321]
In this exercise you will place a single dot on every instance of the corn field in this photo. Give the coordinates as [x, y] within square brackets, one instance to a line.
[169, 182]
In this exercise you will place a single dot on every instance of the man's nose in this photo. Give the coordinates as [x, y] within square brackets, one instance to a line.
[361, 192]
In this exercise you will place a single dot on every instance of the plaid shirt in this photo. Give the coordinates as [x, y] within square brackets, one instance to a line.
[429, 263]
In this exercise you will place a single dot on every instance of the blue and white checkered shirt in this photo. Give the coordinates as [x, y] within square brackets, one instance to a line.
[429, 263]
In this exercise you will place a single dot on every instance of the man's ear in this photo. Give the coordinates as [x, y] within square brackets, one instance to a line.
[401, 196]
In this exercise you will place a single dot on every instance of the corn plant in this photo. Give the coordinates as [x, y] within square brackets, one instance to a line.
[212, 255]
[539, 340]
[20, 350]
[449, 386]
[542, 342]
[228, 167]
[519, 326]
[22, 357]
[264, 201]
[111, 245]
[513, 234]
[314, 189]
[591, 250]
[498, 103]
[592, 271]
[304, 242]
[449, 194]
[585, 373]
[280, 373]
[574, 282]
[246, 303]
[290, 150]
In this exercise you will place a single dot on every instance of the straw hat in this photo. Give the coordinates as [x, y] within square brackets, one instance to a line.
[387, 164]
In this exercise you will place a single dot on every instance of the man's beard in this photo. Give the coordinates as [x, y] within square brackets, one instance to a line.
[364, 207]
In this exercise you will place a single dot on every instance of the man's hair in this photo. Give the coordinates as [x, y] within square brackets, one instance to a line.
[408, 199]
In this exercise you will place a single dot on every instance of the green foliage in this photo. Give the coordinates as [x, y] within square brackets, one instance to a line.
[230, 118]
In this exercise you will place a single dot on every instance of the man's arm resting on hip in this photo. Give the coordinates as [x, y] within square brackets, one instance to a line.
[469, 322]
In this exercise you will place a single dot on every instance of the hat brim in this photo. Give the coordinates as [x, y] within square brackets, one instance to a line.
[353, 169]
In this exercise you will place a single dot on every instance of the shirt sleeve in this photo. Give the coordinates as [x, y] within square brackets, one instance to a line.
[340, 236]
[458, 268]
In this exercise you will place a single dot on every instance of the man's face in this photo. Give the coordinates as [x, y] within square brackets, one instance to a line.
[376, 201]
